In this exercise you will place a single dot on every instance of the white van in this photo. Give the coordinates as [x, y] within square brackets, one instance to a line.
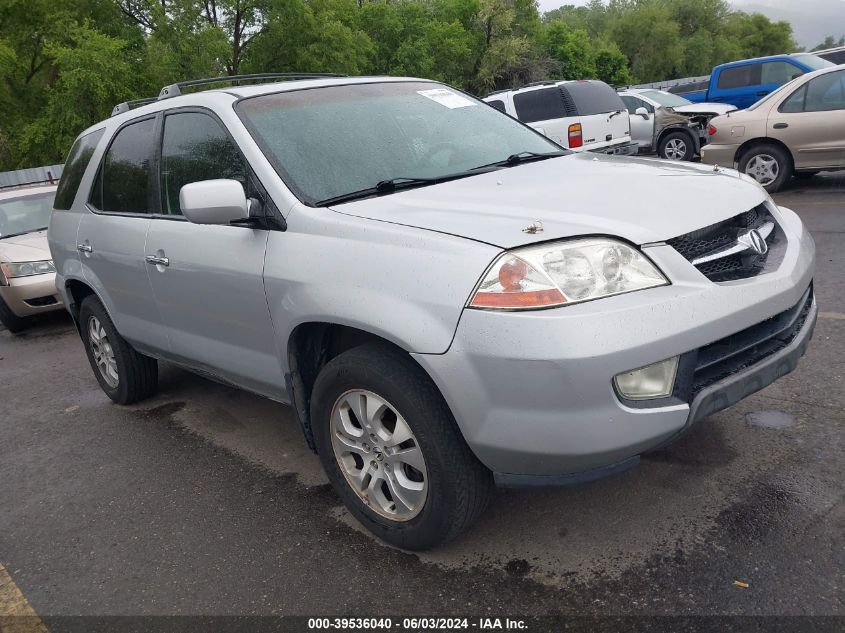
[583, 115]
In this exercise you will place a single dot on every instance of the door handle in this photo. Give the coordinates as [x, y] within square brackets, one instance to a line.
[780, 126]
[84, 248]
[157, 261]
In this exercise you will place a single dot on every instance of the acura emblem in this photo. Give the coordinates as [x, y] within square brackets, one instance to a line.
[754, 241]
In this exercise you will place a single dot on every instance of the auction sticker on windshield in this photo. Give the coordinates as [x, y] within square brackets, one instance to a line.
[447, 98]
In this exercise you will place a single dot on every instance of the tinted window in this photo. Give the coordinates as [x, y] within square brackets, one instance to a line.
[836, 57]
[122, 185]
[826, 93]
[195, 147]
[778, 73]
[592, 97]
[75, 165]
[740, 76]
[337, 140]
[496, 103]
[539, 105]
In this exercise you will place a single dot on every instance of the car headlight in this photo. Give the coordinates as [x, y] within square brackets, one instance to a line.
[27, 269]
[563, 273]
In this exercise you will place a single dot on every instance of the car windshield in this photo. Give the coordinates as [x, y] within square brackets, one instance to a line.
[813, 61]
[25, 214]
[334, 141]
[665, 98]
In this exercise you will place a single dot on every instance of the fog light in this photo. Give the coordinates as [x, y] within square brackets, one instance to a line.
[650, 382]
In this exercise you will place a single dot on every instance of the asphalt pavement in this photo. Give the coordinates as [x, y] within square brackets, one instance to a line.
[206, 500]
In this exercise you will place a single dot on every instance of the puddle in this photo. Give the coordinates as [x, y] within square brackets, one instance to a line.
[770, 419]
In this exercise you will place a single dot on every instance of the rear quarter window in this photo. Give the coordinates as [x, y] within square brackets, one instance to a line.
[540, 105]
[498, 104]
[75, 166]
[592, 97]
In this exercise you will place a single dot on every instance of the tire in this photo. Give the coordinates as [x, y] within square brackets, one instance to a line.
[456, 487]
[676, 145]
[768, 164]
[126, 376]
[12, 321]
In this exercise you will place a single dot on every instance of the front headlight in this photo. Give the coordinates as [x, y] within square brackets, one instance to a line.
[27, 269]
[563, 273]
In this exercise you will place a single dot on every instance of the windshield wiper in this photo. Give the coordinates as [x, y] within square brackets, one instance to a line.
[526, 157]
[18, 234]
[402, 182]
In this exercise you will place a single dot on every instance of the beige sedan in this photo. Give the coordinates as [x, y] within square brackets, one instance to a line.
[27, 275]
[797, 130]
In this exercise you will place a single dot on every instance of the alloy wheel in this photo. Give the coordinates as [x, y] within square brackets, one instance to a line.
[379, 455]
[764, 168]
[103, 352]
[676, 149]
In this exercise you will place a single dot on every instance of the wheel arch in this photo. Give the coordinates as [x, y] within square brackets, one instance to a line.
[77, 291]
[677, 127]
[310, 346]
[762, 140]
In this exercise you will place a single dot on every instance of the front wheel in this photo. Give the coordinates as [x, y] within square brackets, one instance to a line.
[125, 375]
[12, 321]
[768, 164]
[676, 146]
[392, 450]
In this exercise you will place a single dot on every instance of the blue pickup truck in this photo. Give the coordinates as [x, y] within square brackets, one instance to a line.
[744, 82]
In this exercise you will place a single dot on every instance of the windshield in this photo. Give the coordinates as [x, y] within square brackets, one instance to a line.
[665, 98]
[25, 214]
[333, 141]
[813, 61]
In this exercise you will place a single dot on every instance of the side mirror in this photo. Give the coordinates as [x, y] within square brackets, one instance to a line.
[214, 202]
[641, 111]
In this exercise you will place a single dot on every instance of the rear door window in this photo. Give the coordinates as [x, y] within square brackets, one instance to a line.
[826, 93]
[540, 105]
[195, 147]
[632, 103]
[778, 73]
[591, 97]
[75, 166]
[739, 76]
[123, 183]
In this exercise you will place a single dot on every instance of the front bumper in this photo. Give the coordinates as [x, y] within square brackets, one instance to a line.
[27, 296]
[532, 391]
[719, 154]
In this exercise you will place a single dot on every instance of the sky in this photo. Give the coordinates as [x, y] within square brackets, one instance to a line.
[811, 20]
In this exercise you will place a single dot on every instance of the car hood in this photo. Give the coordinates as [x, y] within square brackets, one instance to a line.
[31, 247]
[705, 108]
[641, 200]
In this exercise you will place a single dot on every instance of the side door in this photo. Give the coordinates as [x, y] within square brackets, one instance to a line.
[210, 292]
[642, 127]
[111, 238]
[811, 122]
[733, 84]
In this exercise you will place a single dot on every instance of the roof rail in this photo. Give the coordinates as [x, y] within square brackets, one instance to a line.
[174, 90]
[120, 108]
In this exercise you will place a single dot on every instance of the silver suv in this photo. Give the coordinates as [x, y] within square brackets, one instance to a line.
[445, 297]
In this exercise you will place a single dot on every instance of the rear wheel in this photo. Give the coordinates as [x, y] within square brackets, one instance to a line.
[125, 375]
[12, 321]
[676, 145]
[392, 450]
[768, 164]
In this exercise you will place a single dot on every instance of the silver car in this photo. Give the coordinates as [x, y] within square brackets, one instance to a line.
[446, 298]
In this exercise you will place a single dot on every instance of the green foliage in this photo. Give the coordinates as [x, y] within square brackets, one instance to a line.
[63, 65]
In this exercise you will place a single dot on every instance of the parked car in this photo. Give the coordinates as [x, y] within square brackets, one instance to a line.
[27, 275]
[673, 127]
[798, 130]
[445, 297]
[743, 82]
[833, 55]
[579, 115]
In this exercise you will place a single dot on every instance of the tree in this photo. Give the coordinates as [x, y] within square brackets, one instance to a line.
[571, 51]
[829, 42]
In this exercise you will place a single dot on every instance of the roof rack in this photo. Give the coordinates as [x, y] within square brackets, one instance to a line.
[120, 108]
[174, 90]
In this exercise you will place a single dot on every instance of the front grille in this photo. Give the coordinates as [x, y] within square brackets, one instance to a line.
[729, 355]
[723, 235]
[40, 302]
